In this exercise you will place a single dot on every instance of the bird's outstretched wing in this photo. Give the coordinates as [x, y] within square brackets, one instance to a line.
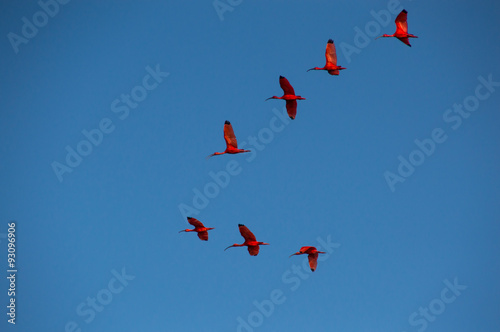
[195, 222]
[253, 250]
[331, 53]
[285, 85]
[203, 235]
[401, 23]
[229, 135]
[405, 40]
[313, 261]
[247, 235]
[291, 108]
[307, 249]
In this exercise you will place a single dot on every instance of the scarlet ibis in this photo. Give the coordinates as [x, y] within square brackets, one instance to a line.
[401, 29]
[231, 143]
[199, 228]
[331, 60]
[312, 253]
[289, 96]
[250, 241]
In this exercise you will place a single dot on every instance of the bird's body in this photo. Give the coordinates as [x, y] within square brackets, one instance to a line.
[231, 142]
[401, 29]
[198, 228]
[250, 241]
[331, 60]
[289, 96]
[312, 255]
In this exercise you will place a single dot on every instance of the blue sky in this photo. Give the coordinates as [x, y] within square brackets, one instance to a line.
[414, 254]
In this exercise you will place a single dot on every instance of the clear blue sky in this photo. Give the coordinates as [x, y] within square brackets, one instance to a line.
[321, 177]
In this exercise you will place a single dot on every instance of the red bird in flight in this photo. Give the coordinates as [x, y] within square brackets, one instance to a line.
[401, 29]
[199, 228]
[312, 253]
[331, 60]
[289, 96]
[250, 241]
[231, 143]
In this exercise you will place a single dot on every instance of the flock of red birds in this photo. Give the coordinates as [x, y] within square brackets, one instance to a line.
[291, 107]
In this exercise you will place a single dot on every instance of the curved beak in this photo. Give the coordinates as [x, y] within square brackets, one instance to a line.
[297, 253]
[268, 98]
[310, 69]
[379, 37]
[228, 247]
[181, 231]
[210, 156]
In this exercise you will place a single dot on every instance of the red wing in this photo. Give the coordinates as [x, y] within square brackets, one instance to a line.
[195, 222]
[291, 108]
[245, 232]
[229, 135]
[203, 235]
[401, 24]
[307, 249]
[405, 40]
[330, 53]
[333, 72]
[253, 250]
[313, 261]
[285, 85]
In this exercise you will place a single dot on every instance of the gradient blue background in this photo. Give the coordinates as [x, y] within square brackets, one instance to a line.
[321, 176]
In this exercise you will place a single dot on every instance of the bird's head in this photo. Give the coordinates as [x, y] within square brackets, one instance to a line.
[297, 253]
[184, 230]
[384, 35]
[273, 97]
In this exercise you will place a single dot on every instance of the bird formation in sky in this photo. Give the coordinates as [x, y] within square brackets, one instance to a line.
[291, 106]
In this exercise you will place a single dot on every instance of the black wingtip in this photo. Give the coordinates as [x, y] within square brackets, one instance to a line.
[239, 225]
[227, 122]
[330, 41]
[404, 11]
[190, 217]
[281, 77]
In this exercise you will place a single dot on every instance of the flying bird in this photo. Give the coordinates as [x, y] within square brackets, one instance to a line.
[312, 253]
[289, 96]
[199, 228]
[250, 241]
[231, 143]
[401, 29]
[331, 60]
